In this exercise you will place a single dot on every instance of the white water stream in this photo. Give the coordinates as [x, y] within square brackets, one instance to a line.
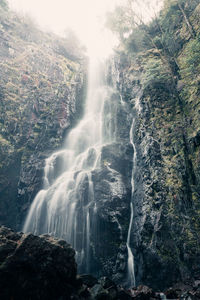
[65, 207]
[131, 271]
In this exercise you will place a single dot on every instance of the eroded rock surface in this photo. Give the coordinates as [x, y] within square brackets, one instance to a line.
[165, 233]
[41, 97]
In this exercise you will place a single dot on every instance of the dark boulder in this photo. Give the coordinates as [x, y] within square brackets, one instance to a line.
[34, 267]
[143, 293]
[99, 293]
[110, 286]
[88, 280]
[106, 283]
[190, 290]
[123, 295]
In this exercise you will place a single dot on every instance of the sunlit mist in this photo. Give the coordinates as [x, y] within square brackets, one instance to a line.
[86, 18]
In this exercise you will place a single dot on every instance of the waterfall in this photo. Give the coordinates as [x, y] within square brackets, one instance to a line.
[131, 271]
[65, 207]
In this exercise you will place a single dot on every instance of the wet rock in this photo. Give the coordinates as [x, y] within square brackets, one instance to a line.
[189, 290]
[172, 293]
[99, 293]
[83, 292]
[41, 267]
[143, 293]
[196, 284]
[123, 295]
[39, 103]
[110, 286]
[88, 280]
[112, 293]
[106, 282]
[166, 179]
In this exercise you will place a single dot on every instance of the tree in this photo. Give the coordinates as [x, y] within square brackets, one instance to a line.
[4, 4]
[159, 31]
[121, 21]
[187, 21]
[183, 6]
[131, 19]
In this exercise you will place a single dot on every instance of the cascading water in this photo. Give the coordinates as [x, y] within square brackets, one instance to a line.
[131, 267]
[65, 207]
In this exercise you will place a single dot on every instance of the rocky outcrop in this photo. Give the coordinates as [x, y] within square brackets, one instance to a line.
[35, 267]
[41, 94]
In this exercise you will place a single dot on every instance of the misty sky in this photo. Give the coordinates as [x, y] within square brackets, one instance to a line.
[85, 17]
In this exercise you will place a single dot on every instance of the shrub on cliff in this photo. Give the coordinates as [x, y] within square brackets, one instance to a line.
[190, 61]
[4, 4]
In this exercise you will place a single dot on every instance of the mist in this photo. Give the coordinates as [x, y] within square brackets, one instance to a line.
[85, 18]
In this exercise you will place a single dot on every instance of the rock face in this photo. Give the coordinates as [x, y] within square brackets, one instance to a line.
[165, 233]
[112, 194]
[41, 95]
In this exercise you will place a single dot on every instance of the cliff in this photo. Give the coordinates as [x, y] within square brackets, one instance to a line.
[161, 84]
[42, 82]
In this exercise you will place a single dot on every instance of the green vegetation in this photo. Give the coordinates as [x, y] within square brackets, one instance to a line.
[166, 33]
[155, 73]
[190, 60]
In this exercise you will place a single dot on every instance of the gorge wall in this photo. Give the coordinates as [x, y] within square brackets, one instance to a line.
[155, 116]
[158, 120]
[42, 82]
[165, 232]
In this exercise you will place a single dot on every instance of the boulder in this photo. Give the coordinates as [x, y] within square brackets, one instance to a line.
[33, 267]
[123, 295]
[106, 283]
[88, 280]
[99, 293]
[143, 293]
